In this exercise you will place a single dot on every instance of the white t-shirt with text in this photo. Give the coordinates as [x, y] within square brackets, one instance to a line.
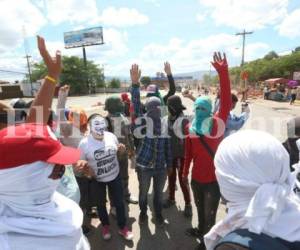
[101, 156]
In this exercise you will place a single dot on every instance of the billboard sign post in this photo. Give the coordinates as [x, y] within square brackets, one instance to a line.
[84, 38]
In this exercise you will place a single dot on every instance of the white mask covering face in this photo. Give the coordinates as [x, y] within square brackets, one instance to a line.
[98, 126]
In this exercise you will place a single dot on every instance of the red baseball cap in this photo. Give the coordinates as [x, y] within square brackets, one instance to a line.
[28, 142]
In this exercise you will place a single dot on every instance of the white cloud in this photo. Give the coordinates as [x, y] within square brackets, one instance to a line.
[14, 19]
[290, 25]
[200, 17]
[154, 2]
[79, 12]
[240, 14]
[192, 55]
[73, 11]
[122, 17]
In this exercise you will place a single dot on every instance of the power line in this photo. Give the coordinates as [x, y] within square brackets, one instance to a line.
[12, 72]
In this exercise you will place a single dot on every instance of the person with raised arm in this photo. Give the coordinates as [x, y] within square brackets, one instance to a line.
[43, 101]
[40, 109]
[152, 90]
[205, 134]
[177, 123]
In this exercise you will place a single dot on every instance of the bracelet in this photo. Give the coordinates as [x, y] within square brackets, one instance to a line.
[51, 79]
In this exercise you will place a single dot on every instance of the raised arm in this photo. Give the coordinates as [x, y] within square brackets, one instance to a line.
[172, 88]
[63, 124]
[61, 103]
[135, 74]
[221, 66]
[43, 100]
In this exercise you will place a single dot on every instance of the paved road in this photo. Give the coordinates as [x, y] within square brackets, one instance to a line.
[267, 116]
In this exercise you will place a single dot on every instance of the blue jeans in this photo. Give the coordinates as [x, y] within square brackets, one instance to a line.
[116, 190]
[159, 179]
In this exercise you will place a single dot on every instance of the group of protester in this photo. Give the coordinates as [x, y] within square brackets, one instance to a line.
[52, 161]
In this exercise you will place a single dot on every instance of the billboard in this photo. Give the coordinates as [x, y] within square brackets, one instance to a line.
[85, 37]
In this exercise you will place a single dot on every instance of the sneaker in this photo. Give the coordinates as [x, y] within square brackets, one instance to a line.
[92, 212]
[188, 212]
[105, 233]
[201, 246]
[193, 232]
[132, 200]
[113, 211]
[126, 233]
[86, 230]
[143, 218]
[160, 221]
[168, 203]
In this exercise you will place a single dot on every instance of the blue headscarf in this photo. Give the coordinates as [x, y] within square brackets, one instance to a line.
[202, 123]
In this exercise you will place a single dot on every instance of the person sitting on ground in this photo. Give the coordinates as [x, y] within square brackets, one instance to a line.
[234, 122]
[99, 153]
[177, 130]
[119, 125]
[255, 179]
[205, 134]
[32, 214]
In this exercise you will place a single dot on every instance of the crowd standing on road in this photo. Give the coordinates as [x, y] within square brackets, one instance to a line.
[57, 167]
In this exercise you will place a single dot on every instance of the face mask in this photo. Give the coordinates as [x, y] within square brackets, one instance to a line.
[202, 112]
[98, 127]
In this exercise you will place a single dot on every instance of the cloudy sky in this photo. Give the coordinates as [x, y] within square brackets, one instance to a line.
[148, 32]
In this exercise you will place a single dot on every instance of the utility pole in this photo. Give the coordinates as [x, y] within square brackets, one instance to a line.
[29, 73]
[244, 33]
[86, 70]
[26, 47]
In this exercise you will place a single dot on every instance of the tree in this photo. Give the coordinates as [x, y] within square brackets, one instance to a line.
[263, 69]
[271, 55]
[145, 80]
[297, 49]
[115, 83]
[74, 74]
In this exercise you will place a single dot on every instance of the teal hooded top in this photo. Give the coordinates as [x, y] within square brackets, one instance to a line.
[203, 121]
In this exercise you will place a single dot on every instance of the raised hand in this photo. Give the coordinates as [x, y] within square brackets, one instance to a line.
[53, 64]
[121, 148]
[135, 74]
[219, 63]
[64, 89]
[188, 94]
[168, 68]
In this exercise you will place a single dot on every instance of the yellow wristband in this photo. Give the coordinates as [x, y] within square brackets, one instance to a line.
[51, 79]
